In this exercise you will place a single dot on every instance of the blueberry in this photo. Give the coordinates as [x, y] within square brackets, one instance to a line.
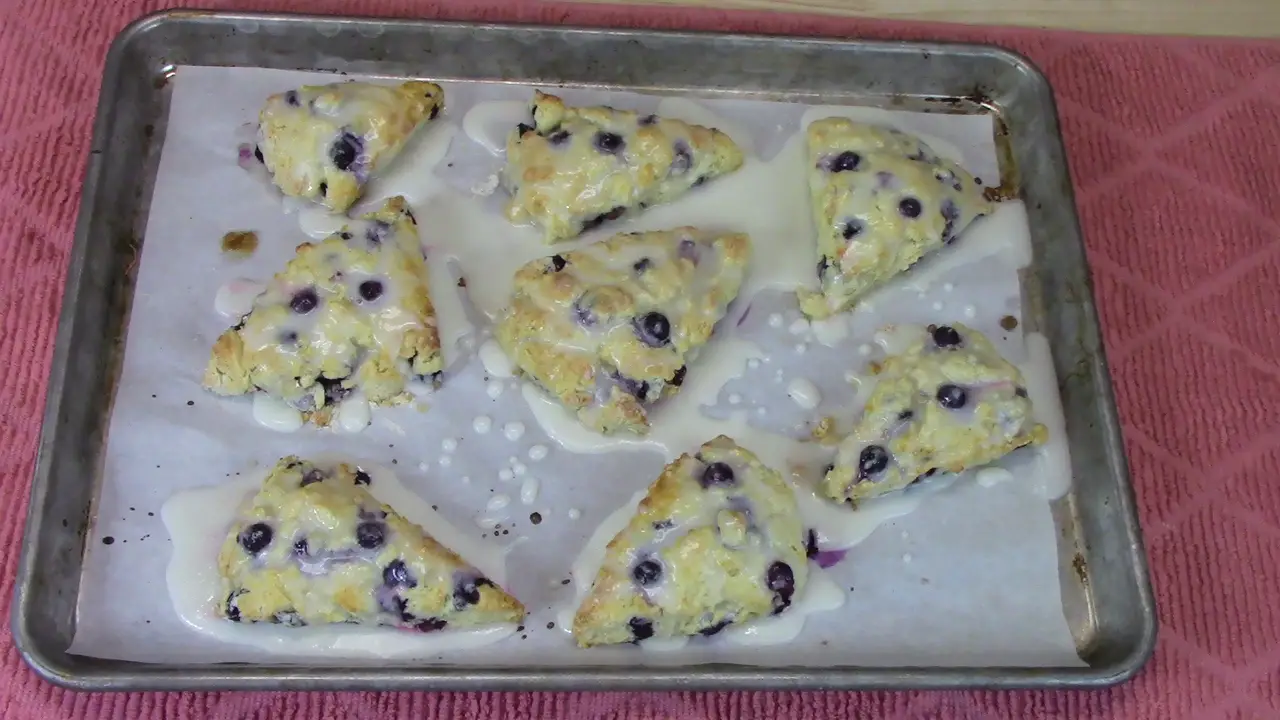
[558, 137]
[701, 179]
[682, 160]
[641, 265]
[952, 397]
[945, 336]
[852, 228]
[950, 214]
[678, 378]
[370, 290]
[582, 312]
[435, 111]
[468, 593]
[845, 161]
[663, 525]
[654, 329]
[291, 98]
[872, 461]
[637, 388]
[313, 475]
[344, 151]
[1020, 392]
[304, 301]
[609, 143]
[288, 617]
[362, 478]
[927, 474]
[713, 629]
[905, 415]
[782, 581]
[689, 251]
[910, 207]
[647, 120]
[717, 473]
[558, 262]
[334, 392]
[376, 233]
[647, 573]
[827, 470]
[823, 265]
[255, 538]
[641, 629]
[430, 625]
[288, 338]
[371, 535]
[232, 610]
[396, 574]
[324, 189]
[257, 153]
[811, 544]
[301, 548]
[600, 219]
[523, 128]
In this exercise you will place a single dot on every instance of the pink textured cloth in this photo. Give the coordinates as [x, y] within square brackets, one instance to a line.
[1173, 151]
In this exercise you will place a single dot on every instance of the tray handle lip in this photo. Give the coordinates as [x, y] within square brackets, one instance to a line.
[57, 668]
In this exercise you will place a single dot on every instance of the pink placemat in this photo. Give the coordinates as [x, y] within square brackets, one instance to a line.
[1173, 144]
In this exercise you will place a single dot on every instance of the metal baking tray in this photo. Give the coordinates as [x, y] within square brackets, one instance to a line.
[1105, 584]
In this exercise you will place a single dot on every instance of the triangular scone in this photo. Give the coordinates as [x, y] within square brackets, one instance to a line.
[325, 142]
[352, 312]
[314, 547]
[575, 168]
[718, 540]
[882, 200]
[613, 327]
[950, 402]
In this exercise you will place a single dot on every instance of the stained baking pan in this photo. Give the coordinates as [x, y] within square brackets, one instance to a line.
[1105, 585]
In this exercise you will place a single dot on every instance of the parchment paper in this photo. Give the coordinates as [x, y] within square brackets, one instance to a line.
[970, 578]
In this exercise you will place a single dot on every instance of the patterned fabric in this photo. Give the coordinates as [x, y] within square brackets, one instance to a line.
[1172, 144]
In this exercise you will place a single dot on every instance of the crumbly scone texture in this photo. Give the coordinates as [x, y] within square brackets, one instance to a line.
[949, 403]
[352, 312]
[613, 327]
[882, 200]
[718, 540]
[314, 547]
[324, 142]
[576, 168]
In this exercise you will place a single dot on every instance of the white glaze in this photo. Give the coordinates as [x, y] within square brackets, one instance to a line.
[840, 526]
[353, 413]
[831, 331]
[529, 490]
[488, 124]
[537, 452]
[482, 424]
[513, 431]
[518, 469]
[506, 475]
[273, 414]
[992, 476]
[497, 502]
[493, 388]
[574, 513]
[587, 563]
[495, 361]
[235, 298]
[449, 445]
[804, 393]
[775, 320]
[198, 521]
[799, 326]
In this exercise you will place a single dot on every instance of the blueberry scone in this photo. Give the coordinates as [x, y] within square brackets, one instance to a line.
[314, 547]
[718, 540]
[324, 142]
[949, 403]
[349, 313]
[882, 200]
[611, 328]
[575, 168]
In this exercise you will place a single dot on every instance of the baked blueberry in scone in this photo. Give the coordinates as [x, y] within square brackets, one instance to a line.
[882, 200]
[325, 142]
[717, 541]
[613, 327]
[575, 168]
[351, 312]
[949, 403]
[314, 547]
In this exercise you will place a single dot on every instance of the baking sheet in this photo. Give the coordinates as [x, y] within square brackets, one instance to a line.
[970, 578]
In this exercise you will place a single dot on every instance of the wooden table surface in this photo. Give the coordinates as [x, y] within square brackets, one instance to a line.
[1244, 18]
